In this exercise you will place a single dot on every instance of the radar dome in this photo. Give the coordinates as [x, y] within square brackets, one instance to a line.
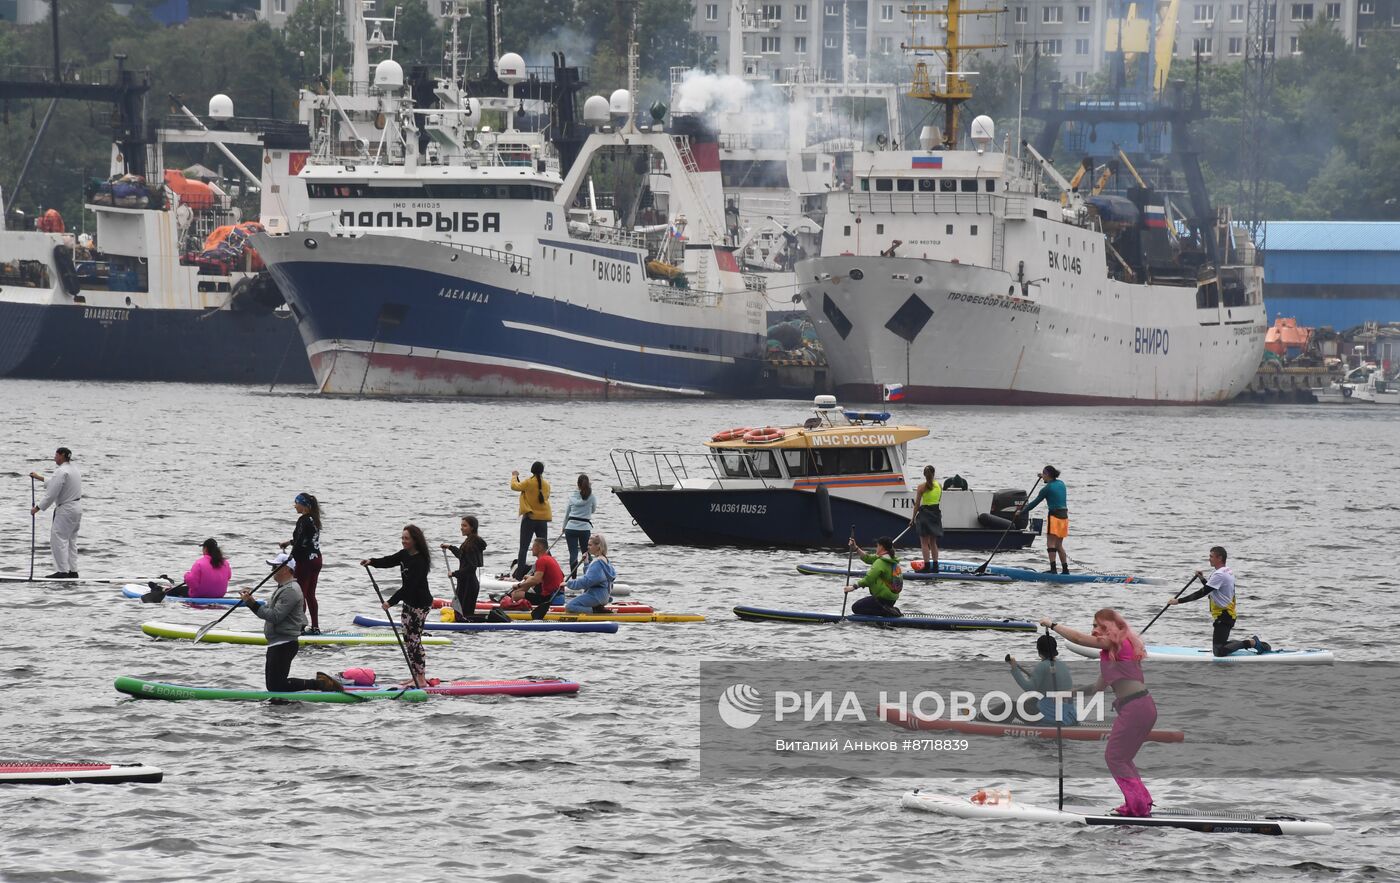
[221, 107]
[929, 137]
[595, 111]
[388, 75]
[984, 131]
[620, 102]
[511, 69]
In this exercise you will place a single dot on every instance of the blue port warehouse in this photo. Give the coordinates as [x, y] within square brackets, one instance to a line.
[1337, 273]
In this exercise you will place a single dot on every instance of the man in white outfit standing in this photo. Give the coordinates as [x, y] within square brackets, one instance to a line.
[63, 491]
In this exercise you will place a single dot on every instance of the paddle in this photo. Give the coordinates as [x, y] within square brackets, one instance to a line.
[983, 567]
[1059, 732]
[850, 551]
[199, 635]
[390, 616]
[33, 520]
[452, 583]
[1194, 577]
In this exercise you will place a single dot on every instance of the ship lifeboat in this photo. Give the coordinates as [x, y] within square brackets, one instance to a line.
[730, 434]
[763, 434]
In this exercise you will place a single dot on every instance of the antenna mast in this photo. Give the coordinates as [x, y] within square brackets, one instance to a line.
[954, 88]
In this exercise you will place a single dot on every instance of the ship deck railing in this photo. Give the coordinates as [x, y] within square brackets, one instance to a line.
[517, 263]
[659, 470]
[664, 293]
[611, 236]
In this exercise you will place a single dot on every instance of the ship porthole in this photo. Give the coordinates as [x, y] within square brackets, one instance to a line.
[454, 257]
[857, 275]
[918, 279]
[309, 242]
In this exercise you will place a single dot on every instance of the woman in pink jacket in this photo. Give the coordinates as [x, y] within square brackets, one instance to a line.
[209, 576]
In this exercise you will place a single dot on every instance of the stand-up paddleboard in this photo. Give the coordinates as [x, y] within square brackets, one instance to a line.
[499, 585]
[1029, 575]
[57, 772]
[526, 626]
[131, 590]
[142, 689]
[101, 580]
[1077, 733]
[488, 606]
[229, 636]
[936, 623]
[610, 617]
[944, 573]
[1203, 822]
[1165, 653]
[510, 687]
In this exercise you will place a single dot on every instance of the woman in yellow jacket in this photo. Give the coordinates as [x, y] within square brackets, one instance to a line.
[534, 512]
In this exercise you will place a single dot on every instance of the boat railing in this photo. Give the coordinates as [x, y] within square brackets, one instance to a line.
[928, 203]
[641, 470]
[517, 263]
[662, 293]
[609, 235]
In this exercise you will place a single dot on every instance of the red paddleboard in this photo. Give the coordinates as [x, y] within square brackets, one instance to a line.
[62, 773]
[504, 687]
[1077, 733]
[488, 606]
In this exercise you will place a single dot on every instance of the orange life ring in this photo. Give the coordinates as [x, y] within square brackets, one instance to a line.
[730, 434]
[763, 434]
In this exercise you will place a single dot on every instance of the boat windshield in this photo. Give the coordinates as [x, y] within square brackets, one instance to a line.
[847, 461]
[749, 464]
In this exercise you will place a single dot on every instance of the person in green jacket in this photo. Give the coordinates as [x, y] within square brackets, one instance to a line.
[882, 579]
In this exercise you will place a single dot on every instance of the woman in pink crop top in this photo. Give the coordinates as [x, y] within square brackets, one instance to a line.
[1120, 667]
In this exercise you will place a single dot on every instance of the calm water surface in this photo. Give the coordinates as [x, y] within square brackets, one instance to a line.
[606, 785]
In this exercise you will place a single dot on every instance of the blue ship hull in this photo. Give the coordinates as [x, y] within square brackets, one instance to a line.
[395, 318]
[81, 342]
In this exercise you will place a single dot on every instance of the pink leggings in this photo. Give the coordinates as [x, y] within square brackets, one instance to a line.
[1131, 727]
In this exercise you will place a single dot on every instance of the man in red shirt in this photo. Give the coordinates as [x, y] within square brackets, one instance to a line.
[541, 587]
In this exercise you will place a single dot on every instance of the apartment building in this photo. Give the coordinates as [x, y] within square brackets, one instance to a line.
[863, 38]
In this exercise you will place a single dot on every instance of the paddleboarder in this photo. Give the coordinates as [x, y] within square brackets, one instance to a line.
[1220, 588]
[283, 619]
[534, 511]
[1120, 668]
[1050, 675]
[64, 492]
[578, 521]
[929, 518]
[306, 551]
[595, 586]
[470, 556]
[541, 587]
[414, 561]
[208, 577]
[1053, 493]
[880, 579]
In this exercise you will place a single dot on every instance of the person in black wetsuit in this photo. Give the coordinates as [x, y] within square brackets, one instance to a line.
[414, 562]
[306, 551]
[470, 555]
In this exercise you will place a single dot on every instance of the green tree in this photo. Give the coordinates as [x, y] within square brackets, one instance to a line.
[417, 32]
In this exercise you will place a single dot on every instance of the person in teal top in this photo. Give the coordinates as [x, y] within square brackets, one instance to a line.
[1053, 493]
[1050, 675]
[880, 579]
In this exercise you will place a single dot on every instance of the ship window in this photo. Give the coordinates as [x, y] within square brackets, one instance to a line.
[905, 185]
[947, 185]
[848, 461]
[973, 231]
[969, 185]
[733, 464]
[884, 185]
[764, 464]
[910, 318]
[879, 228]
[809, 163]
[948, 229]
[838, 319]
[991, 185]
[848, 229]
[796, 463]
[865, 184]
[926, 185]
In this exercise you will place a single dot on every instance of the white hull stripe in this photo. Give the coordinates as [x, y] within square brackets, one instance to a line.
[363, 347]
[613, 344]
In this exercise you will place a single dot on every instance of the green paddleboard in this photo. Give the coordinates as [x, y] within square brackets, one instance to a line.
[179, 692]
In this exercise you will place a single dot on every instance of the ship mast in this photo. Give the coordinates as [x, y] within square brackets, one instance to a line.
[954, 88]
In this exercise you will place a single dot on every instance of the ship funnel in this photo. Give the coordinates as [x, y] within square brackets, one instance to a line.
[220, 107]
[984, 132]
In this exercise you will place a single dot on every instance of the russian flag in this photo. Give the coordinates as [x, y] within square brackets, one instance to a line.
[894, 392]
[1155, 217]
[926, 162]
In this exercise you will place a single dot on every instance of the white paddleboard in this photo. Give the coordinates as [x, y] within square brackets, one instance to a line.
[1007, 810]
[1166, 653]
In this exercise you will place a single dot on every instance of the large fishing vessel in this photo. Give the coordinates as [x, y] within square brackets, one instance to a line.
[451, 257]
[146, 299]
[968, 272]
